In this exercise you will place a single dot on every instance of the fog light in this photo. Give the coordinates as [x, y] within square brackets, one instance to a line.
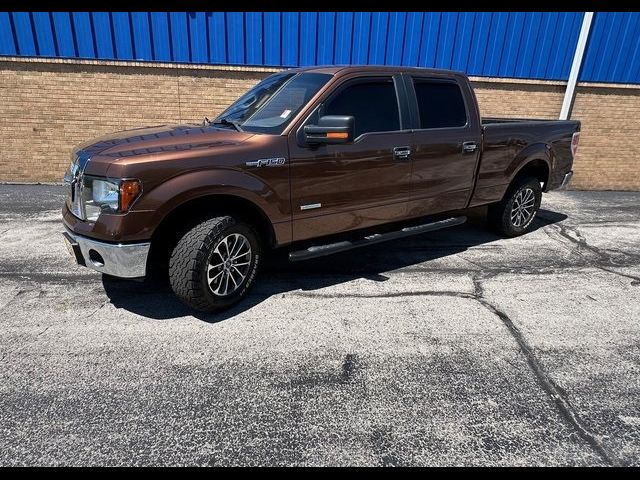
[96, 258]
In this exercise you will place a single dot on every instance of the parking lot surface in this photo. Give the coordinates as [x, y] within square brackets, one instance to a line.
[449, 348]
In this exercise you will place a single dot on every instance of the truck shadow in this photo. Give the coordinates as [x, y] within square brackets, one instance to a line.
[155, 299]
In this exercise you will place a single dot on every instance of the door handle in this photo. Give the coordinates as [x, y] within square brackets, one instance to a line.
[469, 147]
[402, 153]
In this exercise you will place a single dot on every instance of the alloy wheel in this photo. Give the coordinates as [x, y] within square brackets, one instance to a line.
[229, 264]
[523, 207]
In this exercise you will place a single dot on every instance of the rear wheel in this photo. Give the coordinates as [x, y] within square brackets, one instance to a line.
[214, 264]
[514, 214]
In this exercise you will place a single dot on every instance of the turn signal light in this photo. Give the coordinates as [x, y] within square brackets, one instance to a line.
[129, 191]
[337, 135]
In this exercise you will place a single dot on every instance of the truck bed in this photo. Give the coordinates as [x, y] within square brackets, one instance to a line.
[507, 143]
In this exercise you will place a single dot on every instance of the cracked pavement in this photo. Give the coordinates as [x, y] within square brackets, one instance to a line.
[449, 348]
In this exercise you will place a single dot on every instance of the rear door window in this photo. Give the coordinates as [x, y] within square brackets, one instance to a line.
[440, 104]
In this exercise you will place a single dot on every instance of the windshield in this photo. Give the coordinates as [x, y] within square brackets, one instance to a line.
[270, 105]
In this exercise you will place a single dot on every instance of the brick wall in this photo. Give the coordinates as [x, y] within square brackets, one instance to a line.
[515, 98]
[609, 151]
[47, 106]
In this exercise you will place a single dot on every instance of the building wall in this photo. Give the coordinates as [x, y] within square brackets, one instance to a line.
[609, 152]
[50, 105]
[527, 45]
[508, 44]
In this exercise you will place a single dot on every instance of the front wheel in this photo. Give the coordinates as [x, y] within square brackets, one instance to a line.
[514, 214]
[214, 264]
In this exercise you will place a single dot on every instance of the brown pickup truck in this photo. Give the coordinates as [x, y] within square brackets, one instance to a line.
[319, 159]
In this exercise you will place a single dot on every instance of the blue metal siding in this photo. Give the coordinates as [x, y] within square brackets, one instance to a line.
[395, 38]
[198, 44]
[360, 42]
[290, 39]
[272, 32]
[216, 23]
[102, 32]
[506, 44]
[344, 31]
[7, 42]
[84, 34]
[24, 35]
[308, 36]
[464, 36]
[326, 31]
[378, 37]
[411, 48]
[44, 34]
[613, 50]
[121, 32]
[64, 36]
[253, 25]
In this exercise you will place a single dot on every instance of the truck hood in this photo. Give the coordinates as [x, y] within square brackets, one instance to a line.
[155, 140]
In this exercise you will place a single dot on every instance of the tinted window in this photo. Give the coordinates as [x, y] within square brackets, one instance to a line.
[440, 104]
[373, 104]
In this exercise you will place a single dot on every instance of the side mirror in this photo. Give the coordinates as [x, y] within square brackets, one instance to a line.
[330, 129]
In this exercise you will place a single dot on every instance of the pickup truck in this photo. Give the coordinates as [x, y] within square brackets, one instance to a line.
[320, 160]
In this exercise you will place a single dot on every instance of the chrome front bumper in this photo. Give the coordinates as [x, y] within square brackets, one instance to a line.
[566, 180]
[117, 259]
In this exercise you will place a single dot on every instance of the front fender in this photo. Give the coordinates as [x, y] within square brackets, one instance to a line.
[172, 193]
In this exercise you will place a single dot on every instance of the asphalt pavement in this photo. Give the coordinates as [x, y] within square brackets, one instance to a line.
[454, 347]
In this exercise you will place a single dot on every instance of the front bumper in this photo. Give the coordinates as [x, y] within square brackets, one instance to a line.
[126, 260]
[566, 180]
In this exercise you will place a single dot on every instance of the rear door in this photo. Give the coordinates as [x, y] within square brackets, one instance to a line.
[340, 187]
[445, 144]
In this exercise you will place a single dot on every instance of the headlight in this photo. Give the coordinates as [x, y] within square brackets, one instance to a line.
[101, 195]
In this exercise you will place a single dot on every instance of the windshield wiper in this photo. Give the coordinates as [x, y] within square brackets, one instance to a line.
[226, 121]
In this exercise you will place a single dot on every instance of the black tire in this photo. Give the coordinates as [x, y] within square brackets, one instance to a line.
[500, 214]
[190, 259]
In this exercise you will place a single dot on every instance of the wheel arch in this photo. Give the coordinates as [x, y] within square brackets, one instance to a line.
[208, 204]
[536, 161]
[186, 214]
[536, 168]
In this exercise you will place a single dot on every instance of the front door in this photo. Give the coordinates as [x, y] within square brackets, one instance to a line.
[341, 187]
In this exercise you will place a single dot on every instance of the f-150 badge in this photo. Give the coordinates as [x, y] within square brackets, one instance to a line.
[267, 162]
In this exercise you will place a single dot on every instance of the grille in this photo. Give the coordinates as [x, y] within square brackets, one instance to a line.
[73, 180]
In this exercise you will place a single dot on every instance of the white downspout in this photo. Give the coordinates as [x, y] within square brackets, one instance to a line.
[569, 94]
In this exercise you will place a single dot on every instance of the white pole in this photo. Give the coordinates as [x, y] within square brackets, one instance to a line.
[569, 94]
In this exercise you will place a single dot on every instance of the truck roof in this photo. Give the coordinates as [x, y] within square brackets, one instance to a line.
[346, 69]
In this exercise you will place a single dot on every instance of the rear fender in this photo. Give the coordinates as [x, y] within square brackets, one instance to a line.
[529, 154]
